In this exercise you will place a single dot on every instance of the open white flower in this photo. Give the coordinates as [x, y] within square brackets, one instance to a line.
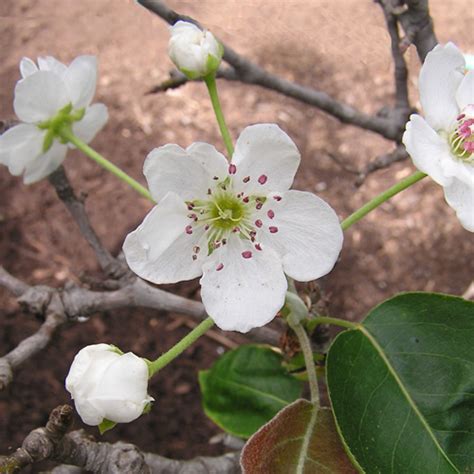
[195, 52]
[442, 144]
[235, 224]
[107, 385]
[50, 95]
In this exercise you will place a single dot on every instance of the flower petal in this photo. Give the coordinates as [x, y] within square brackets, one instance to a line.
[48, 63]
[465, 92]
[160, 250]
[440, 76]
[121, 394]
[308, 234]
[187, 173]
[242, 293]
[426, 148]
[45, 164]
[27, 67]
[39, 96]
[90, 414]
[94, 119]
[19, 146]
[267, 155]
[460, 197]
[80, 79]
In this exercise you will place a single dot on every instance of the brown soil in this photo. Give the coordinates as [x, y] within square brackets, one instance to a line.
[413, 242]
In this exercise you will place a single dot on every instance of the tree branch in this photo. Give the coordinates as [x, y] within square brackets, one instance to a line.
[245, 71]
[72, 303]
[75, 206]
[78, 449]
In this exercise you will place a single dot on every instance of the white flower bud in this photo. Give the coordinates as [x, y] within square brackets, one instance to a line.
[107, 385]
[196, 53]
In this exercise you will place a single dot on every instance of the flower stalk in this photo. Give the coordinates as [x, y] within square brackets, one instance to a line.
[381, 198]
[181, 346]
[67, 135]
[210, 81]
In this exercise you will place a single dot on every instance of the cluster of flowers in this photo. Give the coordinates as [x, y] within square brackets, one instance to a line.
[235, 224]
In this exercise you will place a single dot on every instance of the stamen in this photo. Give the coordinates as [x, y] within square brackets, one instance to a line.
[258, 223]
[232, 168]
[219, 267]
[215, 178]
[245, 199]
[258, 246]
[196, 249]
[247, 254]
[270, 214]
[259, 205]
[195, 257]
[273, 229]
[262, 179]
[188, 229]
[246, 179]
[277, 198]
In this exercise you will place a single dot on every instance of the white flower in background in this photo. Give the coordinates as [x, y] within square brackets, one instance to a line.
[196, 53]
[48, 96]
[235, 224]
[107, 385]
[442, 144]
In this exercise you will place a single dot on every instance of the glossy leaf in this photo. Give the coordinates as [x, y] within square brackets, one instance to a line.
[402, 386]
[246, 388]
[299, 440]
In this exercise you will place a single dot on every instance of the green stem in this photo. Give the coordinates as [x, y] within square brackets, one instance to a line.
[212, 88]
[180, 347]
[305, 345]
[381, 198]
[67, 134]
[335, 321]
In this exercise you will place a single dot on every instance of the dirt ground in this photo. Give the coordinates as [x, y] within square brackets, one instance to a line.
[413, 242]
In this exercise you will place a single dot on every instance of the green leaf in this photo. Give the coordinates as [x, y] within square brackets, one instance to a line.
[402, 386]
[246, 388]
[106, 425]
[300, 440]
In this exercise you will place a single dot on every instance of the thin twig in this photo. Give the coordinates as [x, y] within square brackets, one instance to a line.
[75, 206]
[247, 72]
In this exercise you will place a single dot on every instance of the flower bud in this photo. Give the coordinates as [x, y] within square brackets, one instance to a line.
[108, 385]
[196, 53]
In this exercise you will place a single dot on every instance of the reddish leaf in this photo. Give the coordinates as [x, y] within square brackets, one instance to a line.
[299, 440]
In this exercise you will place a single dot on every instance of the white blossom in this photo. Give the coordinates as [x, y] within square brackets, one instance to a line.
[107, 385]
[442, 144]
[238, 225]
[195, 52]
[48, 95]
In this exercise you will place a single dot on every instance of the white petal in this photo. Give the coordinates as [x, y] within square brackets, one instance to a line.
[426, 148]
[211, 160]
[265, 151]
[121, 394]
[83, 372]
[184, 172]
[465, 92]
[45, 164]
[27, 67]
[459, 169]
[309, 236]
[39, 96]
[19, 146]
[48, 63]
[460, 197]
[90, 414]
[160, 250]
[246, 292]
[440, 76]
[94, 119]
[80, 79]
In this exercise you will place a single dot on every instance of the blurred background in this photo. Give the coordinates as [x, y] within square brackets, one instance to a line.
[413, 242]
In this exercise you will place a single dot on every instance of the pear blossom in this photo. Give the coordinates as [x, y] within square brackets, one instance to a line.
[50, 95]
[237, 225]
[442, 144]
[195, 52]
[108, 385]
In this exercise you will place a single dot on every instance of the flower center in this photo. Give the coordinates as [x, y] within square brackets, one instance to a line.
[461, 139]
